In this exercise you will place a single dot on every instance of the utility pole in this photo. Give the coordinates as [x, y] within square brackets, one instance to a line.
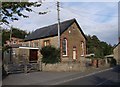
[10, 44]
[58, 10]
[10, 34]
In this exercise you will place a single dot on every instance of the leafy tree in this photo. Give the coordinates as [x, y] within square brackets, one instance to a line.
[18, 33]
[5, 35]
[10, 11]
[15, 33]
[99, 48]
[50, 54]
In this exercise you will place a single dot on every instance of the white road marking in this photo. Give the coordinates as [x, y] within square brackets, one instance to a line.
[0, 83]
[103, 82]
[81, 76]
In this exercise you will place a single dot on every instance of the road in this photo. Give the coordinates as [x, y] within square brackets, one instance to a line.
[107, 77]
[96, 77]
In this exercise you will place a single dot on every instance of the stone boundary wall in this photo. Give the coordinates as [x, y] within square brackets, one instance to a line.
[69, 66]
[63, 67]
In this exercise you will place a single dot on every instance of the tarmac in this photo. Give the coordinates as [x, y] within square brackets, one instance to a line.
[45, 78]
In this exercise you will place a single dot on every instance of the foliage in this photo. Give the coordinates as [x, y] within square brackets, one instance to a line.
[4, 73]
[50, 55]
[99, 48]
[18, 33]
[15, 33]
[5, 35]
[5, 48]
[113, 62]
[10, 11]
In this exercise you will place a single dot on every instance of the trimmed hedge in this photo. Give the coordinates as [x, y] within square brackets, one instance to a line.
[50, 54]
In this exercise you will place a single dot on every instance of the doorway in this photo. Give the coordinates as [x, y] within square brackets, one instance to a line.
[74, 53]
[33, 55]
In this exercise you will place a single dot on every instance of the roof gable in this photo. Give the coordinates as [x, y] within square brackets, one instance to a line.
[80, 30]
[51, 30]
[117, 45]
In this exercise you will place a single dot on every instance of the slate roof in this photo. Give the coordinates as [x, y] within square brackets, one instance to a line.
[117, 45]
[51, 30]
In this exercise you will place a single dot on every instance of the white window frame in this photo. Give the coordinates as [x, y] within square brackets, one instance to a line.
[82, 46]
[66, 47]
[45, 42]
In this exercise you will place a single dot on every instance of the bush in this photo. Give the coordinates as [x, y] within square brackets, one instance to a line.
[113, 62]
[50, 54]
[4, 73]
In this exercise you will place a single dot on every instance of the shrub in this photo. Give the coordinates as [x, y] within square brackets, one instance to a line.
[4, 73]
[50, 54]
[113, 62]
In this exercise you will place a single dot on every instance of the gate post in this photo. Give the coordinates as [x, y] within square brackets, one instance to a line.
[25, 63]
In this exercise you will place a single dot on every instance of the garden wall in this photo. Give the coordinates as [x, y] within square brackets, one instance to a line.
[69, 66]
[63, 67]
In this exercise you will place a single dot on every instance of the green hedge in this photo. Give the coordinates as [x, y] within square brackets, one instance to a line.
[50, 54]
[113, 62]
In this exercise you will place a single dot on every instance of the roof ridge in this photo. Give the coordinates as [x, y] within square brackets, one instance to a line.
[50, 30]
[56, 23]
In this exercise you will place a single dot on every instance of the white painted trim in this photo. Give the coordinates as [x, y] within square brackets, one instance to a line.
[29, 43]
[28, 48]
[66, 54]
[66, 47]
[82, 46]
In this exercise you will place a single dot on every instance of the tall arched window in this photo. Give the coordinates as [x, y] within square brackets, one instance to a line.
[82, 46]
[64, 47]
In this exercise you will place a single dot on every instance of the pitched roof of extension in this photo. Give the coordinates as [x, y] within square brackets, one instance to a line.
[117, 45]
[52, 30]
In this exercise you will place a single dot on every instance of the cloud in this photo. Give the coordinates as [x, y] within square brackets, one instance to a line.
[77, 0]
[94, 18]
[99, 19]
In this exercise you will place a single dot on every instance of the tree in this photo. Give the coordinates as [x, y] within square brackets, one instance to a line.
[99, 48]
[19, 33]
[15, 33]
[10, 11]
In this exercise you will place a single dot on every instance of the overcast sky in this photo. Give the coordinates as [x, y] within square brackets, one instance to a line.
[95, 18]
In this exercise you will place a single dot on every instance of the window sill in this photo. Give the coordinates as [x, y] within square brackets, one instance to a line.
[65, 55]
[82, 55]
[33, 61]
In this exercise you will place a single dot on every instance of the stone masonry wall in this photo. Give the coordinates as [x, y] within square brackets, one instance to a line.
[74, 39]
[60, 67]
[117, 53]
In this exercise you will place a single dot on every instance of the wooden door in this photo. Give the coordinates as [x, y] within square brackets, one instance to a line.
[33, 55]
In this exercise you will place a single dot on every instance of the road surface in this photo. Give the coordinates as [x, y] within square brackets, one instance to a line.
[109, 76]
[106, 77]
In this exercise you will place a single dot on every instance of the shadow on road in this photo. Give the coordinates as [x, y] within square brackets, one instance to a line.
[116, 69]
[109, 81]
[104, 81]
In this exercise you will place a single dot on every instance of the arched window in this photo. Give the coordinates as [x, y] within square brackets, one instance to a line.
[64, 47]
[82, 46]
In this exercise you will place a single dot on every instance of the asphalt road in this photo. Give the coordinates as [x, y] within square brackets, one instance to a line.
[108, 77]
